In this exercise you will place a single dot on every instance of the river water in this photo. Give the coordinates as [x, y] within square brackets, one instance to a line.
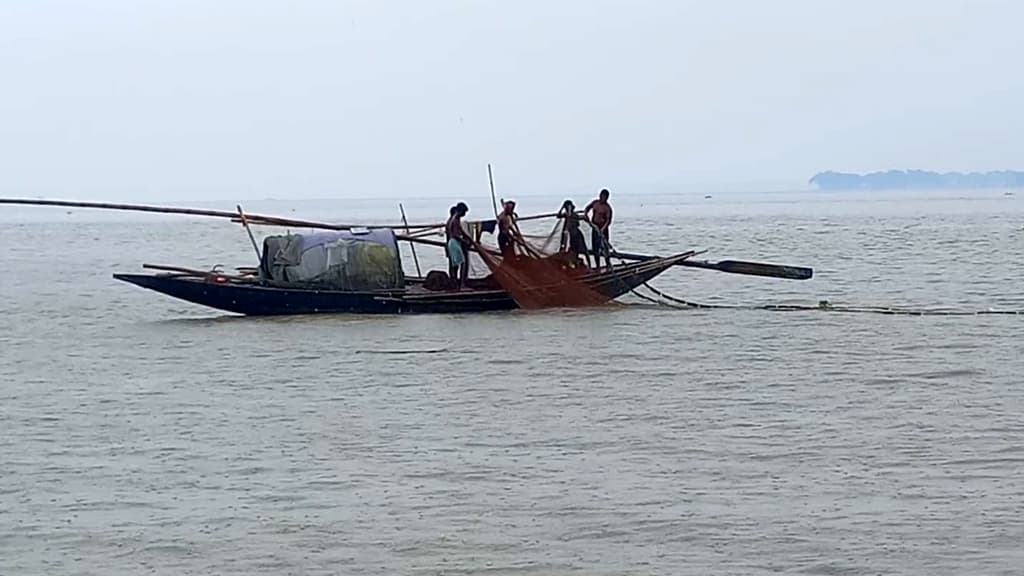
[139, 434]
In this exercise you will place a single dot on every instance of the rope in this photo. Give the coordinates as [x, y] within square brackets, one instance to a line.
[684, 303]
[672, 302]
[826, 306]
[669, 301]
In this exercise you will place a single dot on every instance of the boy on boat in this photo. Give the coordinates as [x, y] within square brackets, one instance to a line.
[572, 239]
[601, 221]
[457, 245]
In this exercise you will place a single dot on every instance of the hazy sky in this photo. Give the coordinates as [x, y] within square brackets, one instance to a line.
[191, 99]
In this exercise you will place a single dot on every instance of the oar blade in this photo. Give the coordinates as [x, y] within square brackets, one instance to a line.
[762, 269]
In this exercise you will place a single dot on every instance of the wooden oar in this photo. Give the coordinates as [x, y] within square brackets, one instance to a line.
[754, 269]
[736, 267]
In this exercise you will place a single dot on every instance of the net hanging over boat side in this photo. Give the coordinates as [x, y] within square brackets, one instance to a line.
[538, 274]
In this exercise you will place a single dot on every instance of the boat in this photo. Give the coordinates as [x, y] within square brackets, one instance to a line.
[361, 272]
[348, 269]
[254, 296]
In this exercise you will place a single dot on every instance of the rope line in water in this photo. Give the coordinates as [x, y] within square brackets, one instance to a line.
[823, 306]
[669, 301]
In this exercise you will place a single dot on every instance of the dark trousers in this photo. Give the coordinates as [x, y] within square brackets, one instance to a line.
[599, 243]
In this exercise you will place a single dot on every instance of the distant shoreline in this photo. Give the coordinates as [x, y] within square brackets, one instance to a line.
[918, 180]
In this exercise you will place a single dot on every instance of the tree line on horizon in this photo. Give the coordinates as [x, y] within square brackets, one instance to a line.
[917, 179]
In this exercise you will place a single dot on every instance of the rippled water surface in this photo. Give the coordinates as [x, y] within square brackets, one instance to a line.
[140, 434]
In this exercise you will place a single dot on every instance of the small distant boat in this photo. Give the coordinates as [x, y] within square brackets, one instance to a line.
[359, 270]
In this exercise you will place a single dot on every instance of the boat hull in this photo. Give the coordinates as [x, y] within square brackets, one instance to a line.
[255, 299]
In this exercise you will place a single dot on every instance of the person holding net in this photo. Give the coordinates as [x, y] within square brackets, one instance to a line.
[573, 241]
[507, 229]
[536, 274]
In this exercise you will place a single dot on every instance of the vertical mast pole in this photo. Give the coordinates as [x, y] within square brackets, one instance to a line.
[415, 258]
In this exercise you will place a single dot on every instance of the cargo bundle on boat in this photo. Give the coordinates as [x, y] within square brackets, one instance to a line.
[333, 260]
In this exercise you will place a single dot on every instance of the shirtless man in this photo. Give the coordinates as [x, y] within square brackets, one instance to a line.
[458, 243]
[601, 220]
[507, 229]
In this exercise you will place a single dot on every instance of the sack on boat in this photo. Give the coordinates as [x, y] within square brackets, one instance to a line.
[344, 260]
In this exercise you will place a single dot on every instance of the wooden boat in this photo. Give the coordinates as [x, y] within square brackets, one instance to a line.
[253, 296]
[354, 269]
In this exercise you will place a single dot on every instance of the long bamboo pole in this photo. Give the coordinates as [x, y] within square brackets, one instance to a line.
[494, 199]
[437, 243]
[273, 221]
[112, 206]
[257, 219]
[293, 223]
[253, 219]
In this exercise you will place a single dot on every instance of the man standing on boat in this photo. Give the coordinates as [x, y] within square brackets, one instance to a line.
[507, 229]
[447, 235]
[572, 240]
[600, 221]
[458, 245]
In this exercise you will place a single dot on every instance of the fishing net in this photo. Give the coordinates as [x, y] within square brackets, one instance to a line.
[539, 273]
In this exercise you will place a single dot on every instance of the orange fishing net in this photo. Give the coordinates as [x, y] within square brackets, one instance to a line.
[538, 275]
